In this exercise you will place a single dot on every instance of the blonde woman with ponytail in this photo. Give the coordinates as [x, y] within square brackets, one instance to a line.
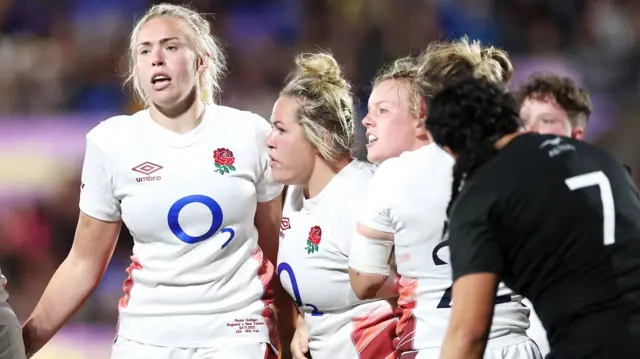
[406, 212]
[191, 181]
[311, 151]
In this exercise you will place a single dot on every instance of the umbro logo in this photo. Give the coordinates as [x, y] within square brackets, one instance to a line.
[284, 225]
[147, 168]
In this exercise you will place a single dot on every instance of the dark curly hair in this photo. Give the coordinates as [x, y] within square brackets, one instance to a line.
[573, 100]
[468, 117]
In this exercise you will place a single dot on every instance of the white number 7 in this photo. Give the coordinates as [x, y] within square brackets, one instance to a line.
[606, 196]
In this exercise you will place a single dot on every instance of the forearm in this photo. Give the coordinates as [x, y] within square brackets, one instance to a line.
[460, 347]
[389, 288]
[68, 289]
[286, 317]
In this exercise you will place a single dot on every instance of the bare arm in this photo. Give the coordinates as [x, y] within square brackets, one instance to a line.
[73, 282]
[267, 221]
[370, 285]
[300, 343]
[471, 315]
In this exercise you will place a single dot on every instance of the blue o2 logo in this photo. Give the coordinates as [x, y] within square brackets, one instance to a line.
[216, 222]
[285, 267]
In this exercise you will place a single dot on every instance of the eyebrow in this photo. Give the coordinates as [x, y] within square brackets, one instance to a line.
[162, 41]
[378, 103]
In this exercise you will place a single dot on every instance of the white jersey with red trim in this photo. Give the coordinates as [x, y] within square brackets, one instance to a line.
[409, 197]
[313, 263]
[189, 200]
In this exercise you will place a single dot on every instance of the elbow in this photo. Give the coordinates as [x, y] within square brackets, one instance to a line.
[365, 286]
[364, 292]
[91, 270]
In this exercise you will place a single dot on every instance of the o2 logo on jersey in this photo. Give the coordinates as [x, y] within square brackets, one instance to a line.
[285, 267]
[216, 223]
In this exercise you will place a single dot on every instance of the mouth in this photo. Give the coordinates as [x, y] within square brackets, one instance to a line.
[272, 161]
[371, 139]
[160, 81]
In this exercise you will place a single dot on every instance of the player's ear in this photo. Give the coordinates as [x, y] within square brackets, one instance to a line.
[577, 132]
[421, 129]
[421, 132]
[202, 65]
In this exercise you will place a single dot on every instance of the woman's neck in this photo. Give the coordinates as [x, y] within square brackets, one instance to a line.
[182, 118]
[504, 140]
[323, 173]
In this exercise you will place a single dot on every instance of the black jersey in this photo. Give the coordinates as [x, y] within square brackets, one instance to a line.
[559, 221]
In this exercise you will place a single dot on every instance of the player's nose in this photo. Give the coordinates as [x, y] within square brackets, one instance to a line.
[158, 59]
[270, 140]
[367, 121]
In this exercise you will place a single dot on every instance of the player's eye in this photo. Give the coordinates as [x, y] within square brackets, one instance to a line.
[144, 51]
[548, 121]
[382, 110]
[172, 48]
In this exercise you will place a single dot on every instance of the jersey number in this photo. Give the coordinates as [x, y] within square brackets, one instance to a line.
[216, 221]
[285, 267]
[445, 301]
[606, 197]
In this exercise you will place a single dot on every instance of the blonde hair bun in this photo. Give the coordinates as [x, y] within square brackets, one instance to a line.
[321, 67]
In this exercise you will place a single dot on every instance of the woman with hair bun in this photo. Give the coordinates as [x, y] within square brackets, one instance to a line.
[311, 151]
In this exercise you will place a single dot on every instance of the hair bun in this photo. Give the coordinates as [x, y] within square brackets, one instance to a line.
[494, 65]
[320, 66]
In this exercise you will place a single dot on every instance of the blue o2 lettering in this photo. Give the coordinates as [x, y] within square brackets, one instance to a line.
[285, 267]
[445, 301]
[216, 222]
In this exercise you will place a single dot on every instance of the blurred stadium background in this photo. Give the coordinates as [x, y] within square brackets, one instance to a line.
[61, 66]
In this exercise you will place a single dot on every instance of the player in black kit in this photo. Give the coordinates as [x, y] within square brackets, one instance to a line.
[554, 218]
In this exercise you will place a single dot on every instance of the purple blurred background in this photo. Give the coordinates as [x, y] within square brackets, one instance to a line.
[61, 73]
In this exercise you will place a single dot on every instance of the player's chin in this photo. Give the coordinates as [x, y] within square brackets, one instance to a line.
[165, 99]
[286, 177]
[374, 155]
[279, 174]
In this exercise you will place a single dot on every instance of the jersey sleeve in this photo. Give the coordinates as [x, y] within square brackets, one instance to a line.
[97, 198]
[474, 245]
[266, 188]
[377, 208]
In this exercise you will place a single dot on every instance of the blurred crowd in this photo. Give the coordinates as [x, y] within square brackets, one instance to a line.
[68, 57]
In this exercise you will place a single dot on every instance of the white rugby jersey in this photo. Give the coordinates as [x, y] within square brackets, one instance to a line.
[197, 275]
[313, 263]
[409, 197]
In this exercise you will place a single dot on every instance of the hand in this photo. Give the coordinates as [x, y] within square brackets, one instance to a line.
[26, 339]
[300, 342]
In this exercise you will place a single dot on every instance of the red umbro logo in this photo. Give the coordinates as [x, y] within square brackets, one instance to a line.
[284, 225]
[147, 168]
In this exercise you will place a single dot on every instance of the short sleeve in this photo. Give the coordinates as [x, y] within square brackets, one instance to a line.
[97, 197]
[266, 188]
[376, 211]
[474, 245]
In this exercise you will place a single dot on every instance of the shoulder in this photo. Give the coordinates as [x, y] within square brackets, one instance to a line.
[360, 173]
[245, 120]
[430, 163]
[115, 132]
[478, 199]
[354, 181]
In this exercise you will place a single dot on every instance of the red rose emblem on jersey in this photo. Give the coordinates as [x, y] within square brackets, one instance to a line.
[224, 160]
[224, 156]
[315, 236]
